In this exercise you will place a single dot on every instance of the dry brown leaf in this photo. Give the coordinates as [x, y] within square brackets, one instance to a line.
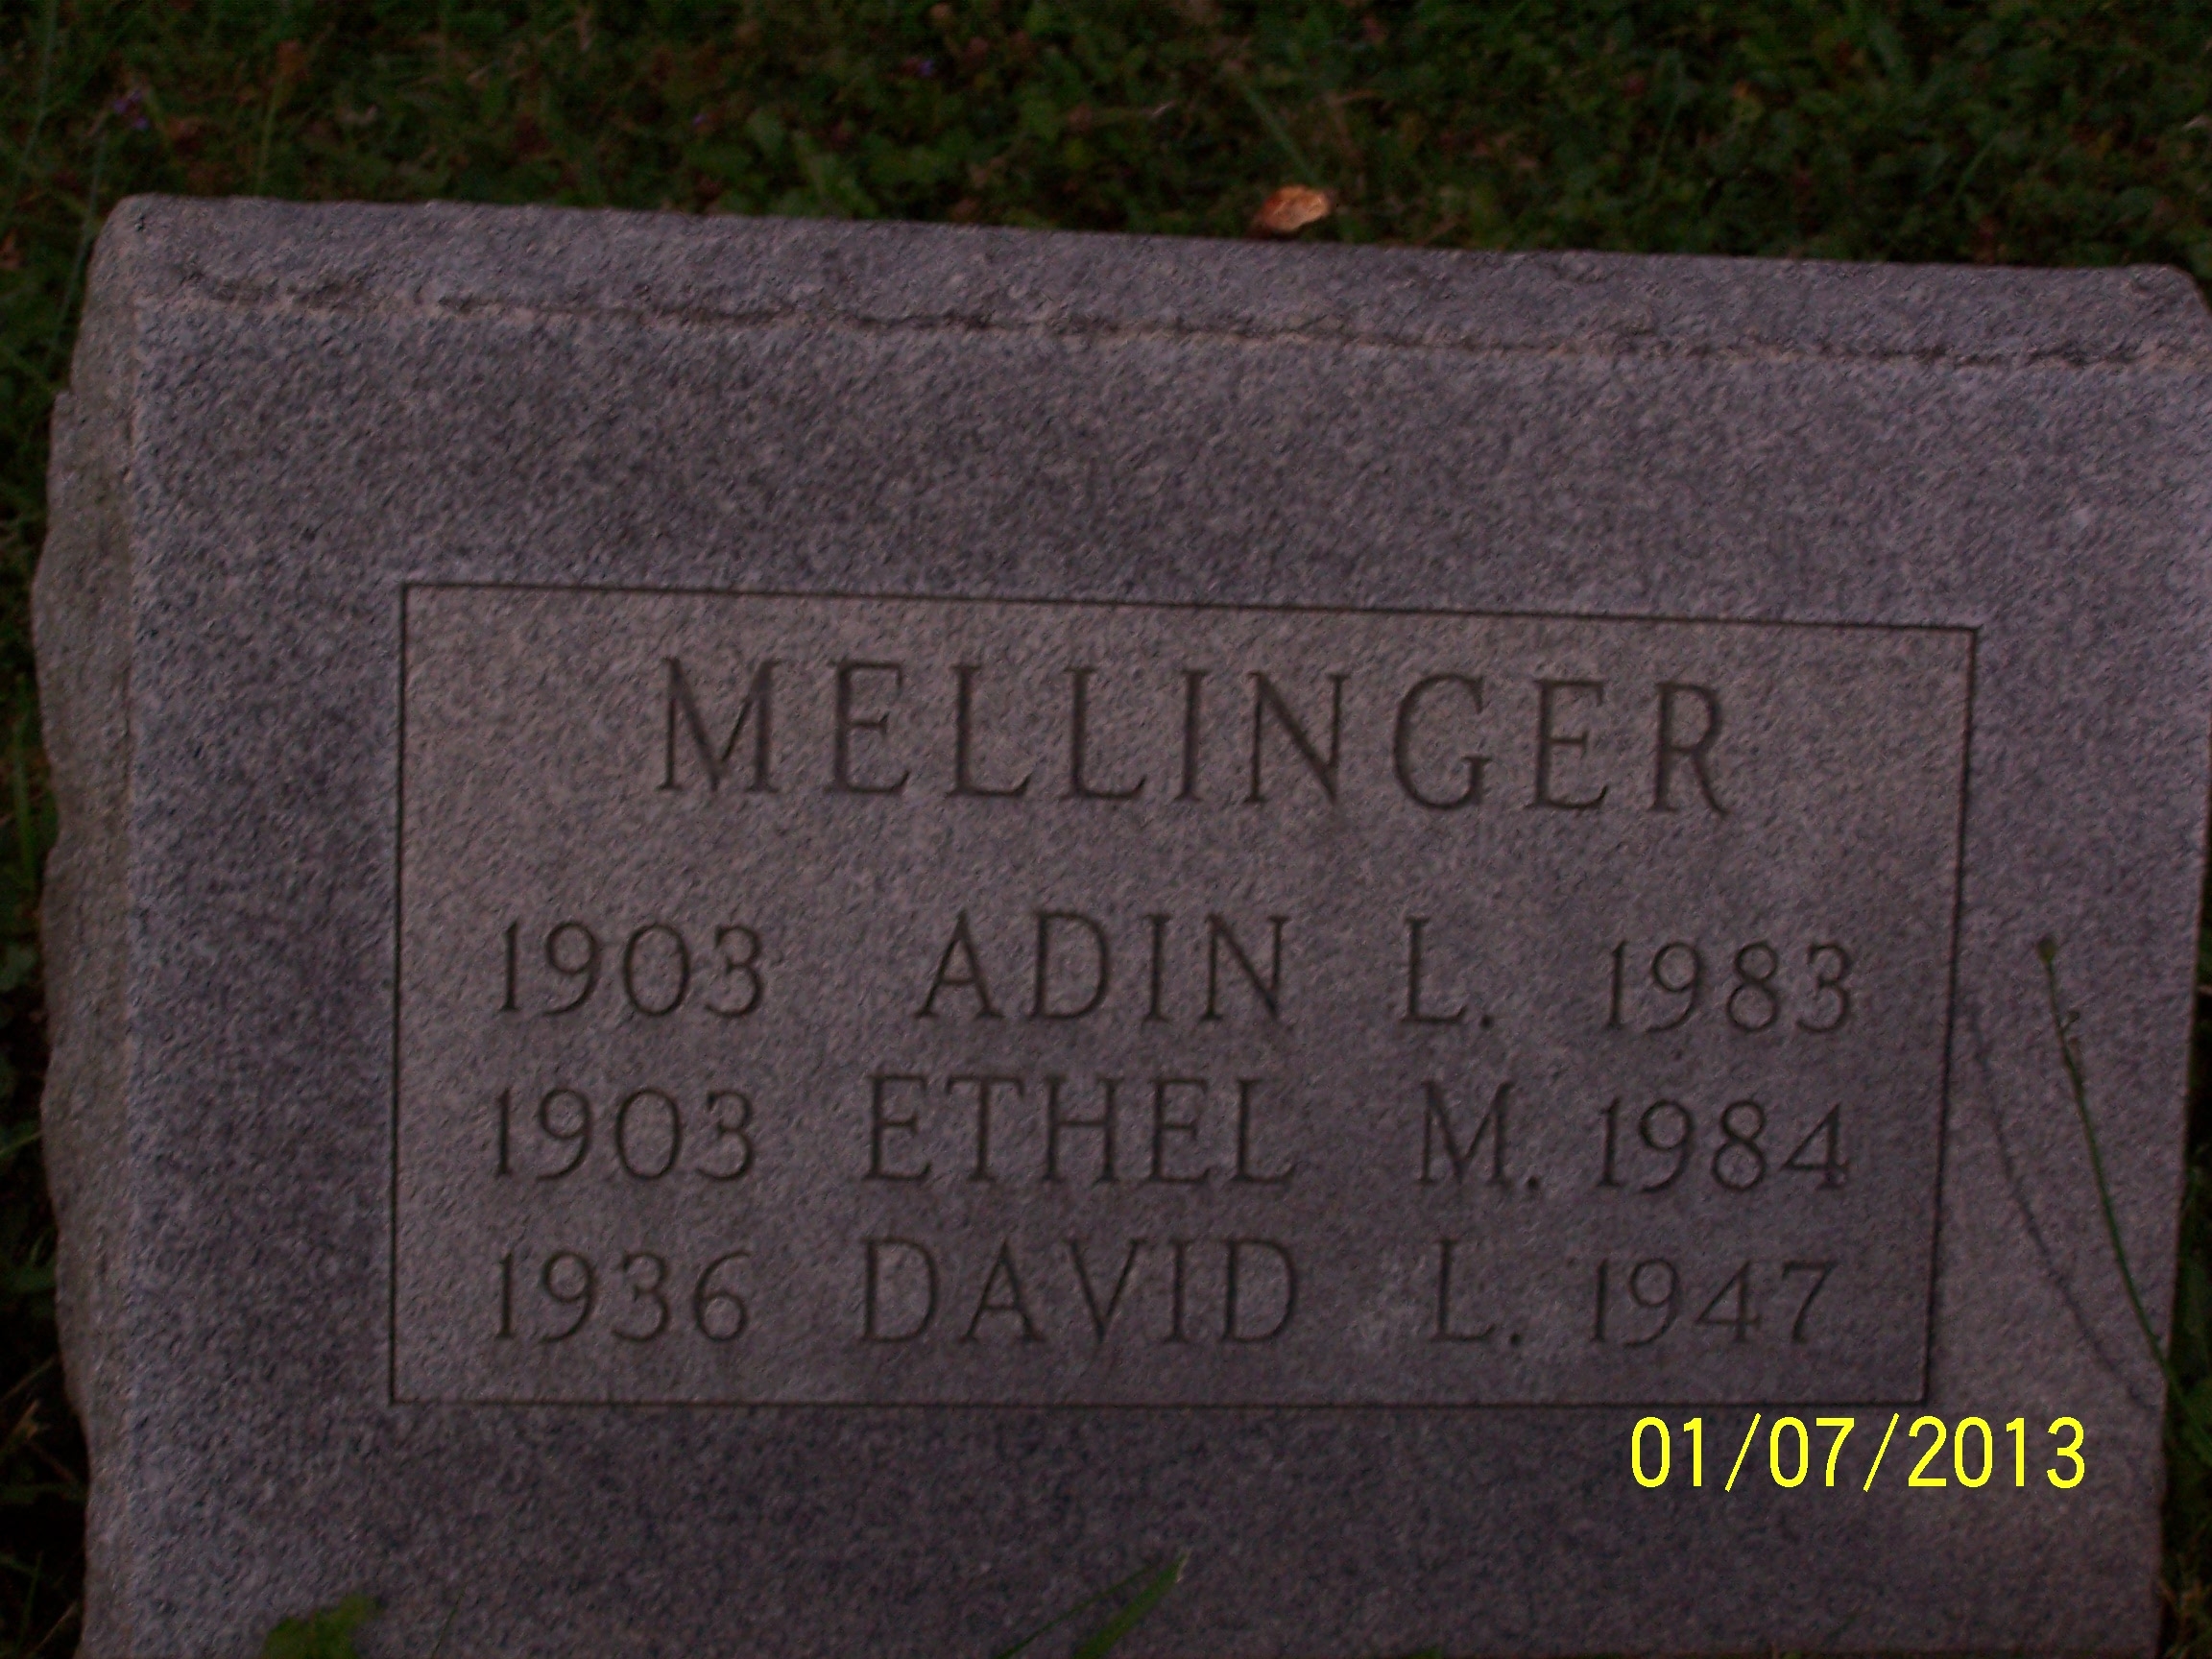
[11, 253]
[1290, 209]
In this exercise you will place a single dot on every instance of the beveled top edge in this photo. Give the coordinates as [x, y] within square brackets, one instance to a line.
[543, 264]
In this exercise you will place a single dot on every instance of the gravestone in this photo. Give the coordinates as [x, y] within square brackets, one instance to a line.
[784, 938]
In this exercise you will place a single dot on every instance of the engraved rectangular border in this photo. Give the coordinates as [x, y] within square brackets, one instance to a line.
[1971, 634]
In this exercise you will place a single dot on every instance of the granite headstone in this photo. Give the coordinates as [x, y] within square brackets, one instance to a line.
[779, 938]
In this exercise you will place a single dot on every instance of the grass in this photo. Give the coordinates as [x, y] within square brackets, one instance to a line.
[2068, 133]
[327, 1633]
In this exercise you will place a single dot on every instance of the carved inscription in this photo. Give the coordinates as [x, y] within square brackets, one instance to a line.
[887, 1001]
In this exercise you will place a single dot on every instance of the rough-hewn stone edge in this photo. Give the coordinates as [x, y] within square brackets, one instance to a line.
[532, 266]
[81, 630]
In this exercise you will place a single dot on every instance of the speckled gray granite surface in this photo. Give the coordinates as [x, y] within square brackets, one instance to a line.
[777, 938]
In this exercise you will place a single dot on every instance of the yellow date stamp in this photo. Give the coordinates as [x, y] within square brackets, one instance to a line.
[1979, 1454]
